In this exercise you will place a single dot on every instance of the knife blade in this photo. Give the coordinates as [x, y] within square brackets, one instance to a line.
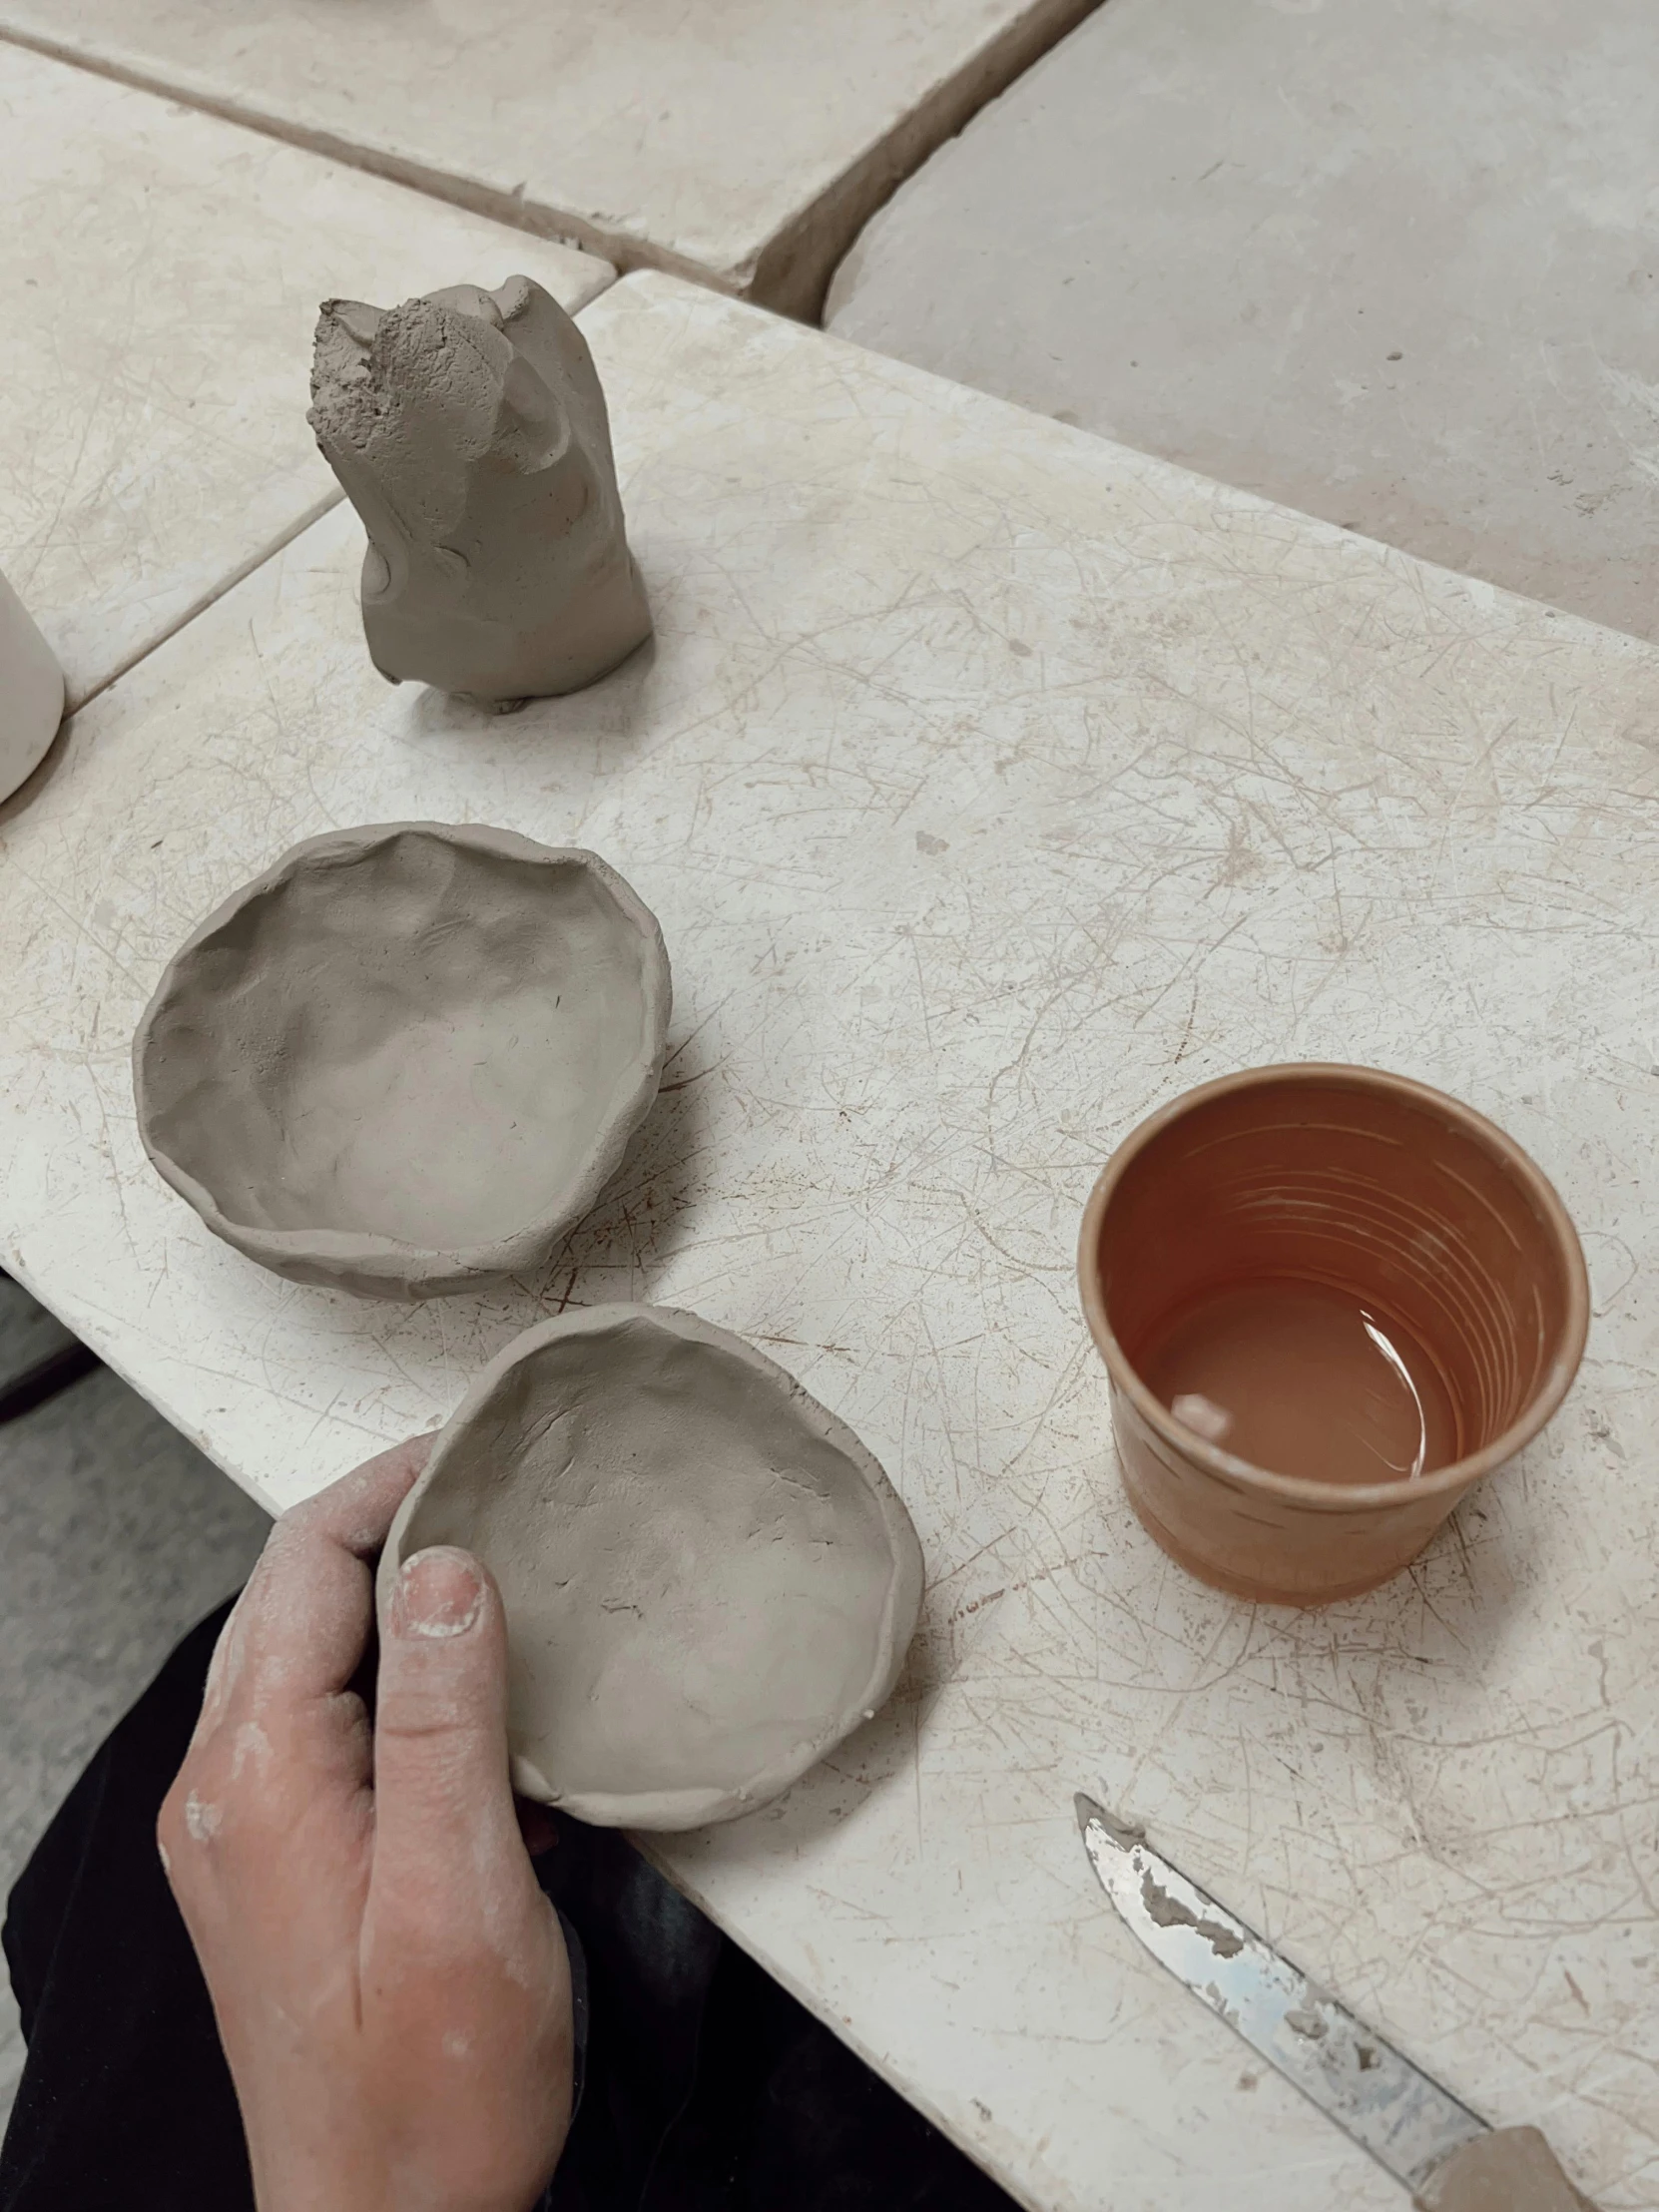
[1429, 2139]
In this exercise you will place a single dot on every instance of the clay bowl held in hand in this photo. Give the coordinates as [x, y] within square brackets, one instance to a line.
[1330, 1301]
[709, 1581]
[407, 1058]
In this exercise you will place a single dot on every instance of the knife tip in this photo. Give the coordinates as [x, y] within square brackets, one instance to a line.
[1122, 1833]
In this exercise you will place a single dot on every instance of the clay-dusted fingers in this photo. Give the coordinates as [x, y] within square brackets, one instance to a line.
[391, 1986]
[453, 1905]
[280, 1757]
[443, 1799]
[300, 1631]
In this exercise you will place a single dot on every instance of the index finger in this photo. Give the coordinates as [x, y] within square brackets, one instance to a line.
[300, 1629]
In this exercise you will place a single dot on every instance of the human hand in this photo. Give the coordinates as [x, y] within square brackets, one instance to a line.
[390, 1985]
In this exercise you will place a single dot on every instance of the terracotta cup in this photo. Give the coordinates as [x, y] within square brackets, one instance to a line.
[1345, 1179]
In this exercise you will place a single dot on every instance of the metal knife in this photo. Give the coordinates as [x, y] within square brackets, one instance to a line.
[1448, 2157]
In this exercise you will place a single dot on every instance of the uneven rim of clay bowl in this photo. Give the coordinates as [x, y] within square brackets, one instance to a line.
[1338, 1497]
[390, 1267]
[668, 1810]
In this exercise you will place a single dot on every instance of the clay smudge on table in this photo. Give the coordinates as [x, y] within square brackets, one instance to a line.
[469, 431]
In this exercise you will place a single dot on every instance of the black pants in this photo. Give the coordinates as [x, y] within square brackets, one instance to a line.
[703, 2087]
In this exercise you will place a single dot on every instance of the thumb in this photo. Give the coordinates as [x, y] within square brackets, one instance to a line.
[443, 1799]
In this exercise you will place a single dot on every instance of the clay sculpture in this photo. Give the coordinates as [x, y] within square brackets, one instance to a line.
[707, 1579]
[469, 431]
[31, 693]
[407, 1059]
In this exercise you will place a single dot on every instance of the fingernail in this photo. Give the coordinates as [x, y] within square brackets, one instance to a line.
[440, 1592]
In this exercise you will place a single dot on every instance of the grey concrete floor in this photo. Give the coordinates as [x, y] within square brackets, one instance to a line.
[115, 1536]
[1390, 261]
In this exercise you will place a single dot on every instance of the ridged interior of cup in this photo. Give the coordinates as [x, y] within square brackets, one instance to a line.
[1368, 1186]
[421, 1040]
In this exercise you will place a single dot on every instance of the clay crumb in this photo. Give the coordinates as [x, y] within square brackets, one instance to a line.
[1202, 1415]
[1301, 2021]
[1169, 1911]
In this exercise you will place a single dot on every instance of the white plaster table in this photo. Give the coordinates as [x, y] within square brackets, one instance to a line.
[159, 273]
[741, 141]
[1393, 262]
[991, 783]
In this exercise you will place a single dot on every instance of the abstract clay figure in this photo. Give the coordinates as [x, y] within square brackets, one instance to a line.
[469, 431]
[709, 1581]
[31, 693]
[407, 1058]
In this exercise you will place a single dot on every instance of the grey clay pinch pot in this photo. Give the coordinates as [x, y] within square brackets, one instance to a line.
[709, 1581]
[407, 1058]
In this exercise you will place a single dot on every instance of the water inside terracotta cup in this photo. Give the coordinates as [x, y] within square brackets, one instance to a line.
[1333, 1278]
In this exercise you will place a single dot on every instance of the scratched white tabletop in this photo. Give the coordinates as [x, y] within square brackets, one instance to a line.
[992, 783]
[159, 273]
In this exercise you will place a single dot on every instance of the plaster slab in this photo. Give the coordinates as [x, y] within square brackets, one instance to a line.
[1392, 261]
[741, 141]
[991, 783]
[159, 273]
